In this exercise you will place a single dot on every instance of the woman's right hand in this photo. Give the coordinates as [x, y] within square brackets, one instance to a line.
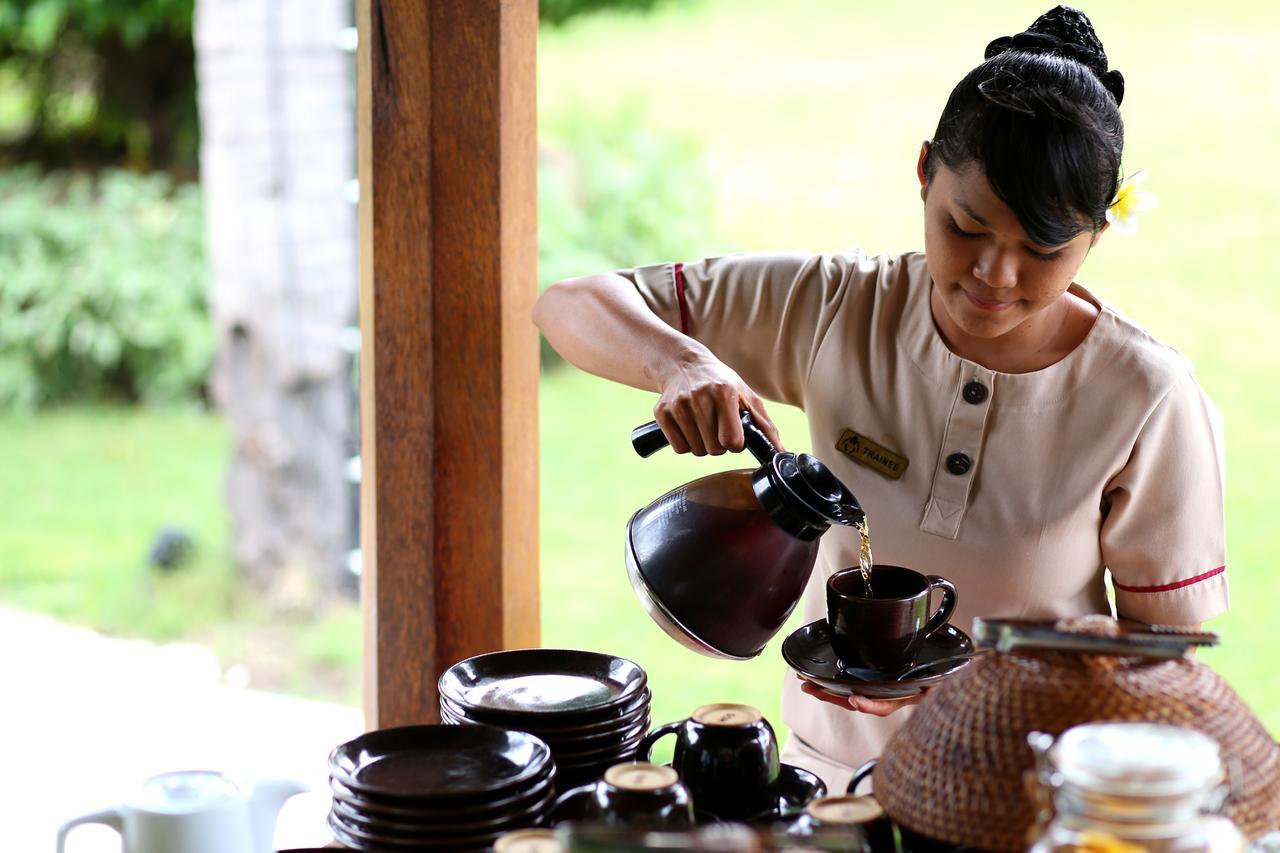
[699, 407]
[854, 702]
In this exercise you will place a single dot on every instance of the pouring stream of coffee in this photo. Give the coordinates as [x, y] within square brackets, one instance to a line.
[864, 555]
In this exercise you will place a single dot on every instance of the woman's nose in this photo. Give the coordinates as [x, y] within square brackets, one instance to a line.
[996, 268]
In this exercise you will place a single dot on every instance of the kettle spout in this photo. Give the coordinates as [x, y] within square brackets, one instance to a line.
[266, 796]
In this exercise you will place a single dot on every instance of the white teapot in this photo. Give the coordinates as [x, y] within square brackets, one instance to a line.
[195, 811]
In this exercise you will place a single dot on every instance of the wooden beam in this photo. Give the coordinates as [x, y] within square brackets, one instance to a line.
[449, 356]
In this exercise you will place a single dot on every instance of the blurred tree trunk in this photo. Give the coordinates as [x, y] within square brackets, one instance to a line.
[277, 104]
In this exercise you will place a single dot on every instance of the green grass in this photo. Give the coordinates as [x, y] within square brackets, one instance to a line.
[812, 118]
[85, 491]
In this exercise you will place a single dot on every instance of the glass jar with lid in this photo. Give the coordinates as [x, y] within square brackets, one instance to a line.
[1122, 787]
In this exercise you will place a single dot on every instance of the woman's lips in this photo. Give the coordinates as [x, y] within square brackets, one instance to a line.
[985, 305]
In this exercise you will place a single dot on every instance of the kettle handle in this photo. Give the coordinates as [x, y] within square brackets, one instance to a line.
[648, 439]
[112, 817]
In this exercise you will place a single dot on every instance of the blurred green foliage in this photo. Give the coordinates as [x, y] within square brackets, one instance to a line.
[102, 289]
[104, 82]
[558, 11]
[613, 192]
[35, 24]
[112, 82]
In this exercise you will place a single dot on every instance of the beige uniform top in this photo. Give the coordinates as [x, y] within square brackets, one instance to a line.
[1109, 459]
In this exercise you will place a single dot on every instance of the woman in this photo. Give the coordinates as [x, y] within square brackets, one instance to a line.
[1002, 426]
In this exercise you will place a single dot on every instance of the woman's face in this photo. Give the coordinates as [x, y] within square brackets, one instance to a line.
[989, 277]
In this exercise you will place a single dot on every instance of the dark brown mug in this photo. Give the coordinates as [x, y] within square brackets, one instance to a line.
[647, 795]
[859, 822]
[728, 756]
[884, 630]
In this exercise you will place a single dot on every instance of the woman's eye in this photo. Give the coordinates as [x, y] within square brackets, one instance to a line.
[1045, 256]
[960, 232]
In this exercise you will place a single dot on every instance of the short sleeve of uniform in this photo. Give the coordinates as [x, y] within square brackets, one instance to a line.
[1164, 531]
[763, 314]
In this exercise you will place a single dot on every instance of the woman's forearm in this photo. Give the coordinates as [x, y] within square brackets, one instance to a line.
[602, 325]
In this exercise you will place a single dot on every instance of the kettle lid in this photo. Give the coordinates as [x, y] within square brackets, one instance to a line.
[185, 791]
[812, 485]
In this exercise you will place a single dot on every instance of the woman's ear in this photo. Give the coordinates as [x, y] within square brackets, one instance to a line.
[922, 168]
[1098, 234]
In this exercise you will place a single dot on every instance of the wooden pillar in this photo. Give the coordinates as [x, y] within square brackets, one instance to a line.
[449, 359]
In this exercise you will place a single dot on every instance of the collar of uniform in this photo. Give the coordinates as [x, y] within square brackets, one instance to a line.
[1045, 388]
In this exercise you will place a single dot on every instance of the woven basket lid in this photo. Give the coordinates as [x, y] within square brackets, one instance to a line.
[955, 771]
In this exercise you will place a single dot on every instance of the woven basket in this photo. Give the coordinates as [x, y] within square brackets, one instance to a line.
[955, 771]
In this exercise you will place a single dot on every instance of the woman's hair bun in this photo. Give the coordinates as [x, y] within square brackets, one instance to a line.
[1113, 80]
[1066, 32]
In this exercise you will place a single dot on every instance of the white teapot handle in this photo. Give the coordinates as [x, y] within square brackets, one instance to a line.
[111, 817]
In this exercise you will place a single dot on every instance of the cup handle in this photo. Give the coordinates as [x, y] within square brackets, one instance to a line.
[112, 817]
[565, 800]
[858, 775]
[644, 750]
[937, 620]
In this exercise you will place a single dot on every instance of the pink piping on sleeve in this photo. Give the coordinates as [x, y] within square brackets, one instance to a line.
[684, 306]
[1166, 587]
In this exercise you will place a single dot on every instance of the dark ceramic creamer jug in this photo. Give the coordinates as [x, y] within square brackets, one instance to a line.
[721, 562]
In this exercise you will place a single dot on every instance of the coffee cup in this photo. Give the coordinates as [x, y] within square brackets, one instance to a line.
[648, 795]
[883, 631]
[858, 821]
[727, 755]
[528, 841]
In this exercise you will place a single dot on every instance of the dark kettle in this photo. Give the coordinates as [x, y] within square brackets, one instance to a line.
[722, 561]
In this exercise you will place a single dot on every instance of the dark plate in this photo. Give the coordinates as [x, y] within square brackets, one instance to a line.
[573, 773]
[808, 651]
[562, 683]
[794, 789]
[581, 756]
[561, 743]
[551, 724]
[431, 810]
[356, 839]
[441, 764]
[636, 730]
[554, 724]
[572, 777]
[442, 828]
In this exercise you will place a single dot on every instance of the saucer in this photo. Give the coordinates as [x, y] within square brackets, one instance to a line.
[429, 810]
[794, 789]
[567, 685]
[549, 727]
[440, 764]
[808, 651]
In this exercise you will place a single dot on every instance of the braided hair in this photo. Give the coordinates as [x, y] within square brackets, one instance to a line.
[1041, 116]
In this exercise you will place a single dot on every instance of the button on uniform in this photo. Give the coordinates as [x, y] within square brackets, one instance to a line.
[968, 398]
[975, 392]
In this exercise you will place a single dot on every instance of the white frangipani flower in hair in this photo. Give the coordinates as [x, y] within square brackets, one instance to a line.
[1130, 200]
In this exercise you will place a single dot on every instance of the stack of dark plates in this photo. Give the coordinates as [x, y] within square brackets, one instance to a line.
[438, 787]
[592, 709]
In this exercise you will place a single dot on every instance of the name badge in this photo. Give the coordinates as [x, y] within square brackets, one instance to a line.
[875, 456]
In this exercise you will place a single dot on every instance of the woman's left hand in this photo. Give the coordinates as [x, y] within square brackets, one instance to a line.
[875, 707]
